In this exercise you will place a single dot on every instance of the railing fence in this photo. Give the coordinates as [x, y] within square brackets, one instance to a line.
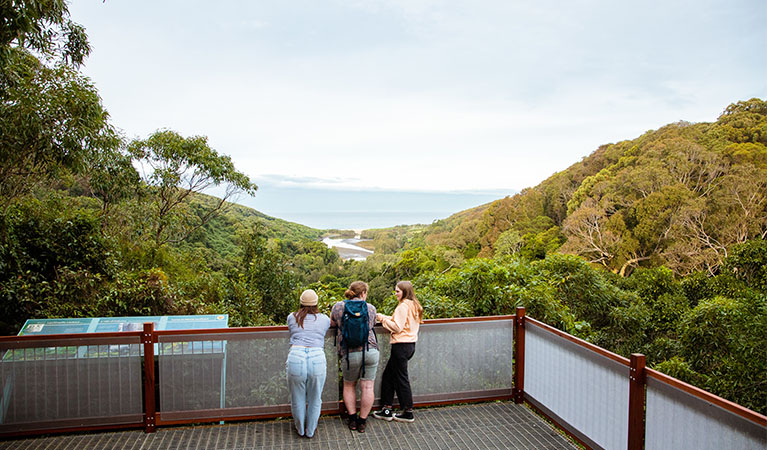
[152, 378]
[84, 382]
[606, 401]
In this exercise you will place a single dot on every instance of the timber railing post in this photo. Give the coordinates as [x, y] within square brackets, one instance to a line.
[148, 339]
[519, 358]
[636, 401]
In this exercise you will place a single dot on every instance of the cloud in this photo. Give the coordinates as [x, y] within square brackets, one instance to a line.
[420, 94]
[287, 181]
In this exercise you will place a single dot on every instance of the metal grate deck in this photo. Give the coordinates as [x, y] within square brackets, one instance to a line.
[500, 425]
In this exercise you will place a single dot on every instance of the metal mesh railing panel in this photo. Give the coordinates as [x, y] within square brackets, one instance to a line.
[243, 372]
[457, 360]
[679, 420]
[584, 389]
[63, 386]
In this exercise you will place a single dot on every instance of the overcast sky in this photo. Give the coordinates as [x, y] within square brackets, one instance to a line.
[419, 94]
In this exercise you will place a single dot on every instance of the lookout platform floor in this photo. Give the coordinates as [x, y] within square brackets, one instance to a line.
[499, 425]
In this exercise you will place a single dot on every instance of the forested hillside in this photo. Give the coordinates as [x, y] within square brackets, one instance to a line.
[653, 245]
[679, 196]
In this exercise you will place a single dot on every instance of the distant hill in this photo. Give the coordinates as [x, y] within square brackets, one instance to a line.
[679, 196]
[221, 234]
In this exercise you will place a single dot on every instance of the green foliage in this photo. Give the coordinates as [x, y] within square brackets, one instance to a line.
[143, 293]
[267, 272]
[45, 28]
[482, 285]
[725, 339]
[53, 261]
[628, 328]
[508, 243]
[678, 368]
[238, 299]
[390, 240]
[174, 168]
[584, 290]
[662, 294]
[748, 262]
[51, 119]
[744, 121]
[437, 306]
[471, 250]
[538, 245]
[112, 179]
[489, 287]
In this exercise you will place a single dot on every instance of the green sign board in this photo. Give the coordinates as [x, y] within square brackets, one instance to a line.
[113, 324]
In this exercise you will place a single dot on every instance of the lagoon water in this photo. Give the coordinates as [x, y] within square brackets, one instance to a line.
[347, 249]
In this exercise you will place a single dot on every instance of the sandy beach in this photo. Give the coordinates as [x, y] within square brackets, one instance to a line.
[346, 247]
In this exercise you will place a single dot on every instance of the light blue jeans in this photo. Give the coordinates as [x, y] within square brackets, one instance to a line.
[307, 369]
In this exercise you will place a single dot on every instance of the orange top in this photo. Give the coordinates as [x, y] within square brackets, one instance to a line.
[403, 324]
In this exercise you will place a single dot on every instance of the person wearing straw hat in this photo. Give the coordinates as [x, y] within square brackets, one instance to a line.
[306, 365]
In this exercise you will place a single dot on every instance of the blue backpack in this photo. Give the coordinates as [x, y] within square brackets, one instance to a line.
[355, 328]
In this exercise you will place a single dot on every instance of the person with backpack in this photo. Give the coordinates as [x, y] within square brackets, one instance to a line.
[404, 325]
[306, 366]
[354, 319]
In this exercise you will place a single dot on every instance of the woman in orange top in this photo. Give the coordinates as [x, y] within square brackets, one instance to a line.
[404, 325]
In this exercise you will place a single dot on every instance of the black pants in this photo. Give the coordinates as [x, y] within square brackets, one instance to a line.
[395, 378]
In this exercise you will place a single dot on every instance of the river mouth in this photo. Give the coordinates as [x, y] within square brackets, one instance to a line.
[347, 248]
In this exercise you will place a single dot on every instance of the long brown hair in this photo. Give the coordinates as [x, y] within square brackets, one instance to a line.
[303, 311]
[408, 293]
[356, 290]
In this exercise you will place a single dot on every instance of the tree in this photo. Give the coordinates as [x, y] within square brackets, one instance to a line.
[744, 121]
[508, 243]
[53, 261]
[594, 235]
[724, 339]
[51, 119]
[42, 26]
[748, 262]
[175, 167]
[112, 179]
[267, 273]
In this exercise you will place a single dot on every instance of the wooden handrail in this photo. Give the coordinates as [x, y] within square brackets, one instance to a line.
[732, 407]
[580, 342]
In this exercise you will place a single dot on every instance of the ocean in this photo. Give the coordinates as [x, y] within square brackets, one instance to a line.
[362, 210]
[361, 220]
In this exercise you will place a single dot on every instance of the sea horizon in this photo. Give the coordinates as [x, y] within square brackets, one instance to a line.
[326, 209]
[360, 220]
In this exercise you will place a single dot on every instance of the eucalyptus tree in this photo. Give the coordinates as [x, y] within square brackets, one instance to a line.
[176, 167]
[51, 117]
[43, 27]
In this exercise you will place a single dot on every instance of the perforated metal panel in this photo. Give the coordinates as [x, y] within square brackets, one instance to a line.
[587, 391]
[62, 386]
[243, 372]
[679, 420]
[457, 360]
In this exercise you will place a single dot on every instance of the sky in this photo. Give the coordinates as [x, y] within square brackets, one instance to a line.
[419, 95]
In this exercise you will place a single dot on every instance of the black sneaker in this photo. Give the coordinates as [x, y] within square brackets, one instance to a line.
[404, 416]
[384, 414]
